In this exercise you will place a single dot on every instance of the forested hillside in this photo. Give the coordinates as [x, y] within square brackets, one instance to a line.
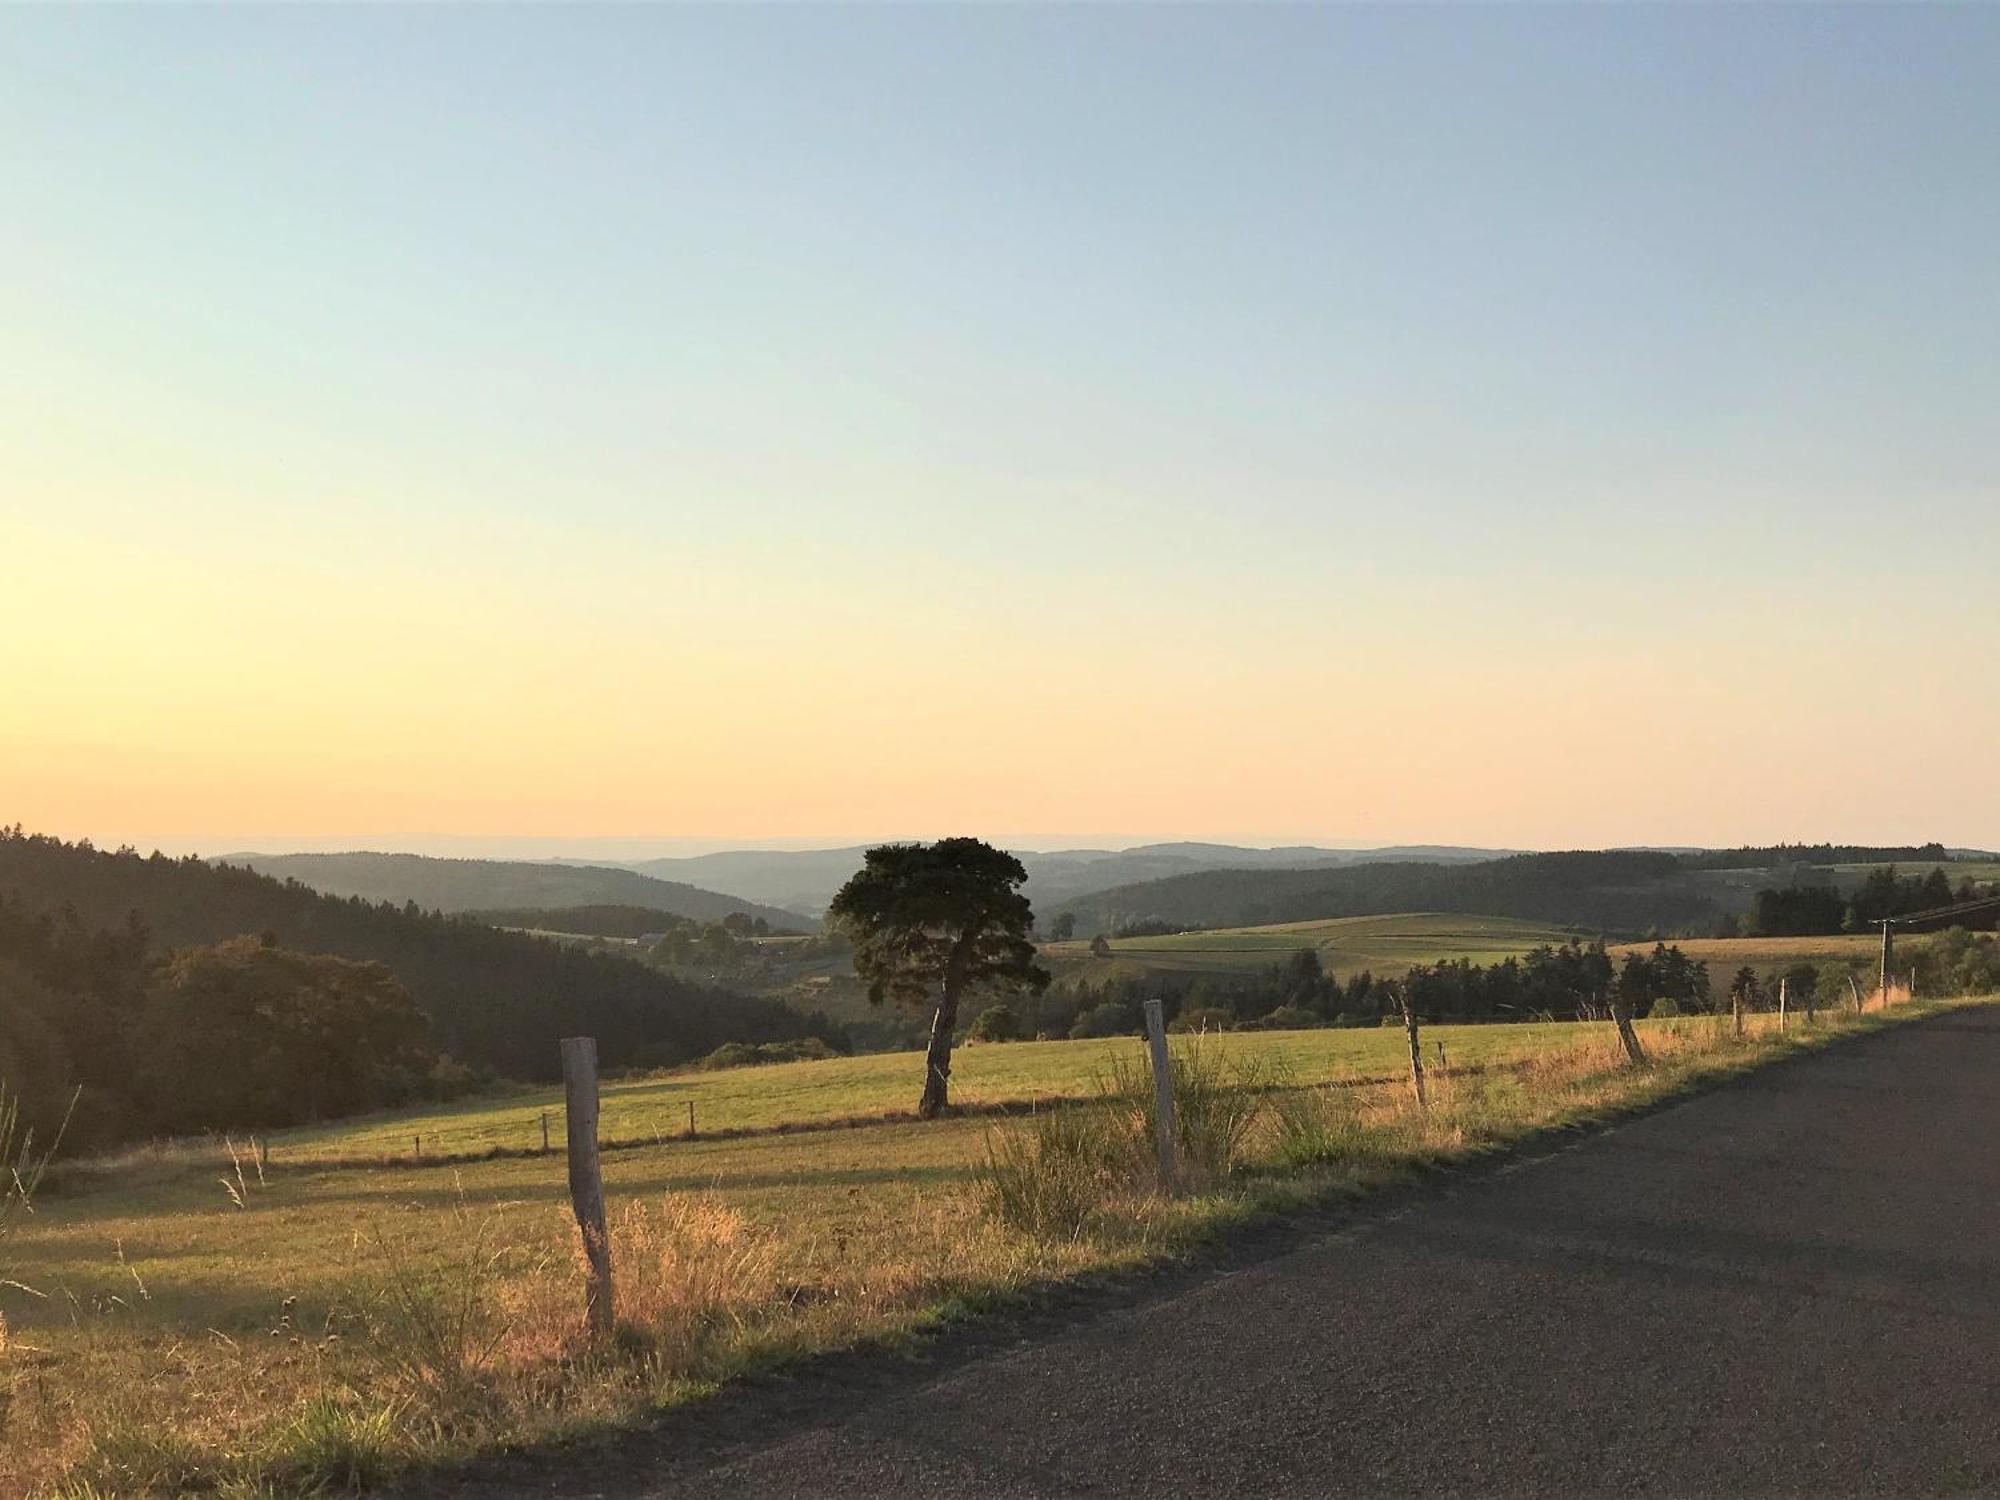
[494, 999]
[462, 885]
[1611, 892]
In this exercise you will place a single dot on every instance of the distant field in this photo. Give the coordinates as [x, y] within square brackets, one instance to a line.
[1346, 945]
[1981, 870]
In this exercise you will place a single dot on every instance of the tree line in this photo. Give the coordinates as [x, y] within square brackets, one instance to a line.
[236, 1035]
[1570, 982]
[1820, 909]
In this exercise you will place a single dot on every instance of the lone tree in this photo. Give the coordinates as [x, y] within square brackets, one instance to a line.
[930, 921]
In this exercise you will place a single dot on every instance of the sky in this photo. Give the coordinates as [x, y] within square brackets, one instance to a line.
[520, 427]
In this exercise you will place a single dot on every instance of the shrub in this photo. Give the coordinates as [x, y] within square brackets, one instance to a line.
[1108, 1019]
[997, 1023]
[751, 1054]
[1665, 1009]
[1203, 1018]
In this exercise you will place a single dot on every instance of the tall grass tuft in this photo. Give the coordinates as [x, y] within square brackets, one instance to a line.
[1052, 1178]
[433, 1318]
[694, 1275]
[21, 1165]
[1317, 1126]
[1216, 1104]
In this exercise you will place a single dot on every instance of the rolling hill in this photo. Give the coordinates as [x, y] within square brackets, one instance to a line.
[469, 885]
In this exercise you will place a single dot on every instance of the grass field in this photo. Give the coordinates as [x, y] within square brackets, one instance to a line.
[338, 1324]
[861, 1088]
[1346, 945]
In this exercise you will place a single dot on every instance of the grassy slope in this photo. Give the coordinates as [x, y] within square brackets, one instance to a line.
[186, 1338]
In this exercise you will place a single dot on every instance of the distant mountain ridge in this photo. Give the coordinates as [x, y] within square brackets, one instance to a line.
[805, 880]
[468, 885]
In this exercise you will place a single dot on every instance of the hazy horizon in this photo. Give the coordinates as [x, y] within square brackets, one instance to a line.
[617, 850]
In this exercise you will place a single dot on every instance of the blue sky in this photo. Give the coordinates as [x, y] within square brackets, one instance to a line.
[1354, 352]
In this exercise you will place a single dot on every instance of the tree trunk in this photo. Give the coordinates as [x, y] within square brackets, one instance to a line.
[1633, 1051]
[937, 1061]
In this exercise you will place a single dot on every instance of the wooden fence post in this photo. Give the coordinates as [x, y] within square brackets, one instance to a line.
[690, 1119]
[1163, 1097]
[417, 1147]
[1622, 1018]
[545, 1132]
[1782, 985]
[1416, 1053]
[586, 1177]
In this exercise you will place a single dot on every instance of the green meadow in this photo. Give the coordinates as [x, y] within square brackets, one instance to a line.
[858, 1089]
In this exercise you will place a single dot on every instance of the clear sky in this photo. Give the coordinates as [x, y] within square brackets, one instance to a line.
[1533, 426]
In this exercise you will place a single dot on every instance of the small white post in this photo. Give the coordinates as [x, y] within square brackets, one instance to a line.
[1163, 1096]
[1782, 984]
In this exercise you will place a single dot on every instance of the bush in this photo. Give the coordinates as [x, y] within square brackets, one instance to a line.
[751, 1054]
[1108, 1019]
[997, 1023]
[1203, 1018]
[1665, 1009]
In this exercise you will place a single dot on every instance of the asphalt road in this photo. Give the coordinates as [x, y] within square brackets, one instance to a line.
[1787, 1285]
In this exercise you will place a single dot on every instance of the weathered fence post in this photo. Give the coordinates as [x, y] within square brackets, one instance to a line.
[1782, 985]
[1416, 1053]
[545, 1132]
[1163, 1097]
[586, 1177]
[417, 1147]
[690, 1119]
[1622, 1018]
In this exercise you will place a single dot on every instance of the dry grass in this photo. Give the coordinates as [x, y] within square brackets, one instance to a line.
[339, 1327]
